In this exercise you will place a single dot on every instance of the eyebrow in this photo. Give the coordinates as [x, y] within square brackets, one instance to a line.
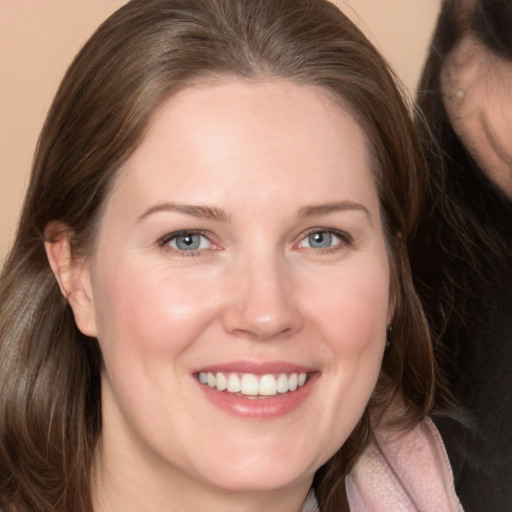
[200, 211]
[218, 214]
[323, 209]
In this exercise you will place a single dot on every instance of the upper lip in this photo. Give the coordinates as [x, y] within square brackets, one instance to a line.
[256, 368]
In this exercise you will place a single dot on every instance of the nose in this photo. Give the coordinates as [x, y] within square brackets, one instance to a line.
[263, 301]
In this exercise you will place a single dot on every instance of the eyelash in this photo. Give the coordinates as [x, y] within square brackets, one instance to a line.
[163, 242]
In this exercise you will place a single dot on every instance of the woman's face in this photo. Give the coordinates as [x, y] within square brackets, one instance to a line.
[239, 290]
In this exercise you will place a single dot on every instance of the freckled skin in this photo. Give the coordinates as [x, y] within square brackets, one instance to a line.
[256, 290]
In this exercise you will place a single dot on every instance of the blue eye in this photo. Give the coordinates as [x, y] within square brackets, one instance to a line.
[321, 240]
[186, 241]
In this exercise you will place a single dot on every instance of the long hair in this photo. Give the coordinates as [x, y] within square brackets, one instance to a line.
[50, 396]
[462, 264]
[463, 246]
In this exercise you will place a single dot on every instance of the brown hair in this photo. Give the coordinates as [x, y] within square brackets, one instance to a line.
[50, 416]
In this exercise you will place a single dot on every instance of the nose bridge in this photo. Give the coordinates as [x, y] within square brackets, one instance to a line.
[263, 304]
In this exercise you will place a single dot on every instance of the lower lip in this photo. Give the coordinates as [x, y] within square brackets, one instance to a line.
[260, 408]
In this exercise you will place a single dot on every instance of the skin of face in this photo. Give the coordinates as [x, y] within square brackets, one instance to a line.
[475, 84]
[255, 174]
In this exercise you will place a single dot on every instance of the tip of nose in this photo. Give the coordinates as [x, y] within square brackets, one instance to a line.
[263, 327]
[266, 331]
[263, 303]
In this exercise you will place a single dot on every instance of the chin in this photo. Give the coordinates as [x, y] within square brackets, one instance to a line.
[253, 480]
[263, 471]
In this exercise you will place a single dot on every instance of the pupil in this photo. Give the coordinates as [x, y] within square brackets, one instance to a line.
[188, 242]
[320, 240]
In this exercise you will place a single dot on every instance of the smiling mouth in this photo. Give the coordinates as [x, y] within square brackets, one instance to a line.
[250, 385]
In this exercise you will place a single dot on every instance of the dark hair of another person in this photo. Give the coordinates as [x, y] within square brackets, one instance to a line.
[463, 246]
[50, 397]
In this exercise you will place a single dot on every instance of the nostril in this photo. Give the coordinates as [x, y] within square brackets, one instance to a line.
[493, 25]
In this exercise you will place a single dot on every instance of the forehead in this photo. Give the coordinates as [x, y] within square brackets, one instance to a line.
[259, 135]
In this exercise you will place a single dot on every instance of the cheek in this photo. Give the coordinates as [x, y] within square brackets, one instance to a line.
[354, 310]
[353, 319]
[152, 311]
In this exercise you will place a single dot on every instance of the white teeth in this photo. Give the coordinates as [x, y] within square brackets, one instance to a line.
[292, 382]
[233, 383]
[249, 384]
[268, 385]
[282, 383]
[222, 382]
[253, 385]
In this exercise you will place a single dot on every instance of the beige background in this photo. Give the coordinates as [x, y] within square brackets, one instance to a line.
[38, 39]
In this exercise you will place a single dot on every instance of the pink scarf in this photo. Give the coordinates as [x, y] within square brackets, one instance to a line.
[403, 472]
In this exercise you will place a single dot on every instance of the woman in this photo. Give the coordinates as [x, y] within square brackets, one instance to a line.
[209, 266]
[462, 255]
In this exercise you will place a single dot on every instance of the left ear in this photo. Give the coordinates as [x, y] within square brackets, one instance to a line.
[73, 276]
